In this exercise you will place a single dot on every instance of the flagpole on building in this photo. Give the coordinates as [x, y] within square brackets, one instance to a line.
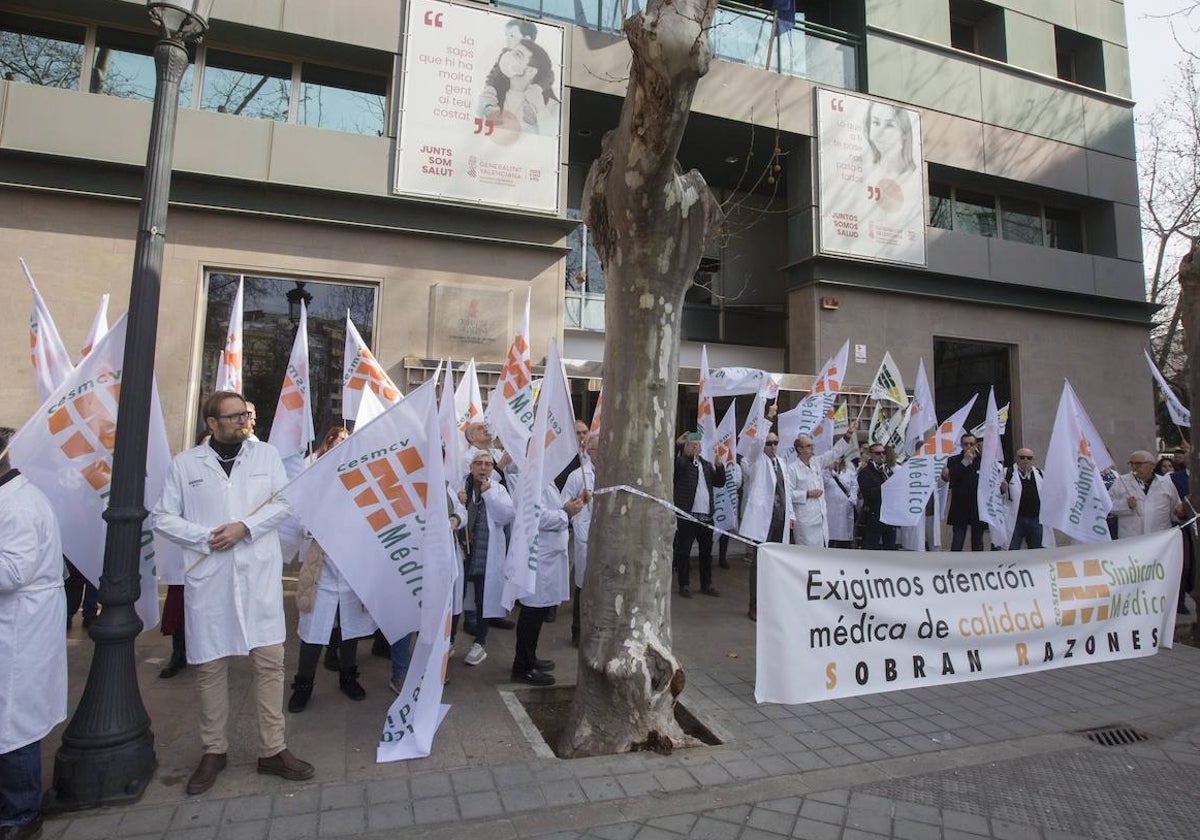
[773, 36]
[107, 753]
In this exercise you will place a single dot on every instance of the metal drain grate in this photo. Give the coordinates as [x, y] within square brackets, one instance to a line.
[1116, 735]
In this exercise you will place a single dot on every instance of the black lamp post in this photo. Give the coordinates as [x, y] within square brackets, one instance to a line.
[295, 297]
[107, 752]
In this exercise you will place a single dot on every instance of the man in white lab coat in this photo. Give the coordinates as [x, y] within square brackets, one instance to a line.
[1142, 501]
[33, 645]
[767, 515]
[806, 478]
[220, 503]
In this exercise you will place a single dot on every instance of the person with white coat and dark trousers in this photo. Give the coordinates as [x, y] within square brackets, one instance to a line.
[489, 513]
[220, 503]
[33, 645]
[806, 480]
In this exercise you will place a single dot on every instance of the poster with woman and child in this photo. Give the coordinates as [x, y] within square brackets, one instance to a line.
[481, 107]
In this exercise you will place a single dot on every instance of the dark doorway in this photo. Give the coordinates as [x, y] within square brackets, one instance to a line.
[962, 369]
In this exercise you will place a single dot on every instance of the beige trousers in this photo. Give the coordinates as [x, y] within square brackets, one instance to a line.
[213, 682]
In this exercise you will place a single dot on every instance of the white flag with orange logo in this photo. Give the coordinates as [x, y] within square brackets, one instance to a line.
[229, 369]
[1074, 498]
[1180, 416]
[725, 496]
[292, 428]
[907, 491]
[51, 362]
[807, 417]
[361, 371]
[551, 448]
[992, 508]
[510, 407]
[736, 381]
[66, 449]
[99, 328]
[454, 444]
[377, 504]
[706, 417]
[468, 402]
[922, 417]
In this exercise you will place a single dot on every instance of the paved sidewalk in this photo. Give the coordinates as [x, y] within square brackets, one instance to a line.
[992, 758]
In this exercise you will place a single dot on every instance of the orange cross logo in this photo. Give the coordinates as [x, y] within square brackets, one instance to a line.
[382, 492]
[368, 373]
[1097, 593]
[86, 428]
[516, 374]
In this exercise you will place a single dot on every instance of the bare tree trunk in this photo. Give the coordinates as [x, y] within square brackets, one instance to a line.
[1189, 283]
[650, 224]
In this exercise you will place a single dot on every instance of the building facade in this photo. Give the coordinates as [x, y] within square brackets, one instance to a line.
[290, 176]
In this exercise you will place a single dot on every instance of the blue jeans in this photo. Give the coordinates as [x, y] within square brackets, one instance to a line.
[20, 784]
[402, 655]
[1029, 529]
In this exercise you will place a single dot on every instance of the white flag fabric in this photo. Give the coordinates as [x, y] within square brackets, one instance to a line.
[1180, 416]
[907, 491]
[1074, 498]
[229, 369]
[725, 496]
[510, 406]
[992, 508]
[706, 417]
[888, 383]
[98, 329]
[66, 450]
[468, 402]
[369, 407]
[51, 362]
[1002, 416]
[922, 416]
[292, 428]
[874, 431]
[736, 381]
[806, 417]
[551, 448]
[454, 444]
[361, 372]
[376, 504]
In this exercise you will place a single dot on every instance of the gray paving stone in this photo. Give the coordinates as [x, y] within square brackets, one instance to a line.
[343, 822]
[745, 769]
[208, 832]
[868, 820]
[616, 831]
[768, 820]
[959, 834]
[834, 797]
[93, 827]
[649, 832]
[481, 803]
[198, 813]
[435, 809]
[707, 828]
[679, 823]
[563, 792]
[904, 829]
[471, 781]
[806, 829]
[145, 821]
[969, 823]
[1004, 830]
[823, 812]
[429, 785]
[600, 790]
[335, 797]
[856, 834]
[733, 814]
[389, 815]
[248, 808]
[759, 834]
[514, 775]
[711, 774]
[293, 827]
[917, 812]
[776, 765]
[252, 830]
[522, 798]
[299, 802]
[674, 778]
[392, 790]
[637, 784]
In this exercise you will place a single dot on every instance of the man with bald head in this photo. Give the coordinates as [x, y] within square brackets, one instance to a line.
[1024, 491]
[806, 479]
[1142, 501]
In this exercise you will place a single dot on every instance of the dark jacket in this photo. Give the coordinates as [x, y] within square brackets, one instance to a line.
[964, 491]
[685, 481]
[870, 487]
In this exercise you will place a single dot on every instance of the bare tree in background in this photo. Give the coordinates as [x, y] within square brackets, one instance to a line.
[650, 223]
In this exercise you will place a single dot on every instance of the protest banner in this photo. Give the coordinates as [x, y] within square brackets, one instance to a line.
[834, 624]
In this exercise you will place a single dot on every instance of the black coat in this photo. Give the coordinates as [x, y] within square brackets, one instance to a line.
[685, 481]
[964, 491]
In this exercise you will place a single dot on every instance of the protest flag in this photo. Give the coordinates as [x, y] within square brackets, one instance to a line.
[98, 329]
[510, 406]
[992, 508]
[1074, 498]
[361, 372]
[229, 367]
[51, 362]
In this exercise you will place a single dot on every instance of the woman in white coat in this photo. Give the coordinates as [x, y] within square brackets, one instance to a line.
[325, 603]
[552, 587]
[841, 491]
[33, 645]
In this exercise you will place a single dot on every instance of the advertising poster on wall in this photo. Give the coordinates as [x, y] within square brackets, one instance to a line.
[481, 108]
[871, 191]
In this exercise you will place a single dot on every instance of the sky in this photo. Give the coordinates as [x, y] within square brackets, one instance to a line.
[1152, 50]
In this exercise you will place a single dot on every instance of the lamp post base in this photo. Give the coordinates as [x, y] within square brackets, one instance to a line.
[95, 778]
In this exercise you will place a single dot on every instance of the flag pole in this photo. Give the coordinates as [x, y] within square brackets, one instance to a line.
[771, 38]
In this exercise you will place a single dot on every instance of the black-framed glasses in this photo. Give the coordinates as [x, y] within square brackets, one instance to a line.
[237, 415]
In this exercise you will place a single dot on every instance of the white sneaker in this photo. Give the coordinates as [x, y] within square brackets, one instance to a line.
[476, 654]
[395, 684]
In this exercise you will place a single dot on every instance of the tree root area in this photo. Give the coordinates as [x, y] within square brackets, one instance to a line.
[551, 716]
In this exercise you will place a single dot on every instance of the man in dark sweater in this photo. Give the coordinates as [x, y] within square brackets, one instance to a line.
[694, 482]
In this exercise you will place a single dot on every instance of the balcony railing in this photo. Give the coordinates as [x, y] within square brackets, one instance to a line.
[739, 34]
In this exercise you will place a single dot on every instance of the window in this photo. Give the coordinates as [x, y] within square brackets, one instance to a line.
[1079, 58]
[342, 100]
[246, 85]
[962, 369]
[941, 209]
[1021, 221]
[1064, 229]
[268, 331]
[41, 52]
[974, 212]
[978, 27]
[123, 65]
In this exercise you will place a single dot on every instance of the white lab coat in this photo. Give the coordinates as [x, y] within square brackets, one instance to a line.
[1013, 502]
[500, 512]
[759, 492]
[581, 478]
[33, 617]
[1153, 511]
[811, 526]
[333, 594]
[233, 599]
[553, 575]
[839, 509]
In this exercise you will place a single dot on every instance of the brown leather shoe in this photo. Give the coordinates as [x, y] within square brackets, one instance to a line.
[206, 774]
[287, 766]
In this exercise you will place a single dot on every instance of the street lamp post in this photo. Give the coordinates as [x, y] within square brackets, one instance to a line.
[107, 752]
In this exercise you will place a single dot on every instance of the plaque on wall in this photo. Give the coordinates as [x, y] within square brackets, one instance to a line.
[468, 322]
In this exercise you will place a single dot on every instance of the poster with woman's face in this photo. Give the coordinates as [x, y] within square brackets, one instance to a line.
[481, 109]
[870, 186]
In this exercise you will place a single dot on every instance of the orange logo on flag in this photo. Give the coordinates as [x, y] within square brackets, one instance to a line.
[516, 374]
[1097, 592]
[827, 382]
[86, 428]
[368, 373]
[382, 492]
[291, 397]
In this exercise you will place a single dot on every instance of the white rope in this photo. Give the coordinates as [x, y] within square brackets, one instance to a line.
[600, 491]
